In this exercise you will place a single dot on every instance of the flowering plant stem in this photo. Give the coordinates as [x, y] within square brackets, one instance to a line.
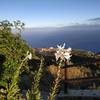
[62, 55]
[14, 89]
[34, 93]
[56, 82]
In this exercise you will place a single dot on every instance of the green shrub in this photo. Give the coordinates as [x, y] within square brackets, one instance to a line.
[13, 50]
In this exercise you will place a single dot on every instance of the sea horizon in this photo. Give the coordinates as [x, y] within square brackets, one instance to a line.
[78, 37]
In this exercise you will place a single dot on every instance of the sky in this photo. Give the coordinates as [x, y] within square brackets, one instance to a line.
[44, 13]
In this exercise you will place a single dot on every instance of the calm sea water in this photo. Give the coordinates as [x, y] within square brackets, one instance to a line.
[82, 38]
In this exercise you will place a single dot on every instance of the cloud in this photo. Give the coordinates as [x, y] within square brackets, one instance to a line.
[95, 19]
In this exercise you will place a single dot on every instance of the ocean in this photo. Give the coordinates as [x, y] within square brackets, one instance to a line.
[87, 38]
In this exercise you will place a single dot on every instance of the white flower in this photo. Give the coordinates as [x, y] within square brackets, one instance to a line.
[29, 55]
[67, 56]
[69, 49]
[63, 53]
[61, 47]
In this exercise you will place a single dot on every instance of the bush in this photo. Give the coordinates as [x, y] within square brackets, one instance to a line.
[13, 50]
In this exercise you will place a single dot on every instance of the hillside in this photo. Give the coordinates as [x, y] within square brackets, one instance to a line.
[84, 64]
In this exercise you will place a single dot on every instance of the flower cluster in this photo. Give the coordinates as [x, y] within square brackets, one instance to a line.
[62, 53]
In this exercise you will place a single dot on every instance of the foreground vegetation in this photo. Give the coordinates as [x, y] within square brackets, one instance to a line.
[15, 57]
[23, 70]
[14, 61]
